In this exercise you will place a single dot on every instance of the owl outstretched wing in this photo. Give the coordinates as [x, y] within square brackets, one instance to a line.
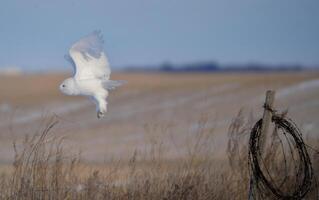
[88, 58]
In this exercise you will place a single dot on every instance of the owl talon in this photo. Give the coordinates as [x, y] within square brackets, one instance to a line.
[100, 115]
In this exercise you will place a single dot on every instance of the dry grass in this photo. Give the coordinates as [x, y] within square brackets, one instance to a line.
[173, 99]
[35, 92]
[43, 170]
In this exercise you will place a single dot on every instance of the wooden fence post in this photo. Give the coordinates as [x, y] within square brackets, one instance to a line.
[268, 106]
[269, 102]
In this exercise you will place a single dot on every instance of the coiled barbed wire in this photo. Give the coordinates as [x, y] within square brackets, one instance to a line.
[304, 173]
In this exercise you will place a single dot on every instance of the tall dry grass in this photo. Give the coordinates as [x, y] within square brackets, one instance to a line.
[43, 170]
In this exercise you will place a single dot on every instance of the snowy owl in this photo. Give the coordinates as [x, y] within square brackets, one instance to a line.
[91, 72]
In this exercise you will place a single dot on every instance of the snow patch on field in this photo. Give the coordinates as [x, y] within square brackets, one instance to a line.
[5, 107]
[25, 116]
[306, 85]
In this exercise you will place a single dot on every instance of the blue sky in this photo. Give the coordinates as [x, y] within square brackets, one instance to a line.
[35, 34]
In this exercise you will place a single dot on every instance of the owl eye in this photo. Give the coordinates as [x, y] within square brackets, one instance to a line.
[63, 86]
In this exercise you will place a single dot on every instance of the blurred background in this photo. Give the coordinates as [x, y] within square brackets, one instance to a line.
[186, 62]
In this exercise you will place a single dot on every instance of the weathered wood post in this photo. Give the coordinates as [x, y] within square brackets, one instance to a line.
[268, 106]
[266, 120]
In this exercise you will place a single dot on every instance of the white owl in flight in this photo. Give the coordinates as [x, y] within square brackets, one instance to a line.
[91, 72]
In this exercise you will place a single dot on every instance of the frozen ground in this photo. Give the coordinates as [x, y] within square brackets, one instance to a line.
[167, 107]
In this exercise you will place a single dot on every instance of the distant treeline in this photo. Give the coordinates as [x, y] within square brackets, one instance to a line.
[215, 67]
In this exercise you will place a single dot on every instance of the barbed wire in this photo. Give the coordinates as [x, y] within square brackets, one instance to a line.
[259, 172]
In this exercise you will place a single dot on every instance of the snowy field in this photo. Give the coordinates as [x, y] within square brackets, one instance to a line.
[168, 107]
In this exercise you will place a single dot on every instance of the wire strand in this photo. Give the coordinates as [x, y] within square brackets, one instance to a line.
[303, 175]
